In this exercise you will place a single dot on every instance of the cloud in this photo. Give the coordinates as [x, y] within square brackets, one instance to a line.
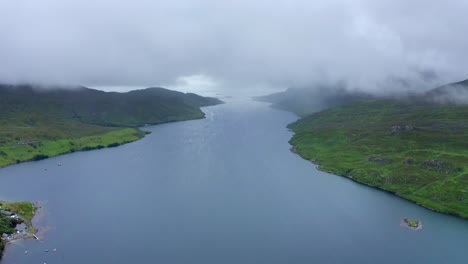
[379, 46]
[197, 84]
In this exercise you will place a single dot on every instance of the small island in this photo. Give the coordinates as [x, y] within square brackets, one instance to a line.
[411, 223]
[16, 222]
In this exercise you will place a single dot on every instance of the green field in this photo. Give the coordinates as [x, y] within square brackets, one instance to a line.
[14, 152]
[25, 209]
[415, 149]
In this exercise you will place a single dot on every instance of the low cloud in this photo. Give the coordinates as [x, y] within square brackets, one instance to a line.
[453, 94]
[378, 46]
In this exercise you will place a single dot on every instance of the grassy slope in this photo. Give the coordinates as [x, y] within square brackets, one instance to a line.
[356, 141]
[25, 209]
[14, 153]
[39, 123]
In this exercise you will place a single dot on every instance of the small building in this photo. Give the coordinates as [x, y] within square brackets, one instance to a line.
[20, 227]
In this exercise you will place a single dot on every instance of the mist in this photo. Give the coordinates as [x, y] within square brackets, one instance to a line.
[374, 46]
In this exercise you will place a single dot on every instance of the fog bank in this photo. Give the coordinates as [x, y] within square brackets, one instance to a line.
[377, 46]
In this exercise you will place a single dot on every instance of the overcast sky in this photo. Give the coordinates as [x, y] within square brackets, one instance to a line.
[380, 45]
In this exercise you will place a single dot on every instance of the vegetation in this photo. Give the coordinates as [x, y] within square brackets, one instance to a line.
[50, 148]
[37, 123]
[25, 209]
[411, 223]
[413, 148]
[8, 224]
[303, 101]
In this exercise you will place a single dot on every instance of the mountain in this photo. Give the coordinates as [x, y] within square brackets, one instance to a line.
[305, 101]
[36, 122]
[415, 147]
[135, 108]
[455, 93]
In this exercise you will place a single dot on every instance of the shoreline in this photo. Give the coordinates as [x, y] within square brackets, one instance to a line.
[18, 213]
[139, 129]
[317, 166]
[83, 149]
[37, 205]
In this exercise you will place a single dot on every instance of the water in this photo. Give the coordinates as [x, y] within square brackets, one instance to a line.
[225, 189]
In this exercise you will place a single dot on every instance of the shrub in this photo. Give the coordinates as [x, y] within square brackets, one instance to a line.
[39, 157]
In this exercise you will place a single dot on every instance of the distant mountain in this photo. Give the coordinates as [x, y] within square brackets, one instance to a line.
[305, 101]
[135, 108]
[450, 93]
[32, 117]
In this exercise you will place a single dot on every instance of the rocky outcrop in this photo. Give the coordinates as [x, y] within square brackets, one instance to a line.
[378, 160]
[436, 164]
[408, 160]
[411, 224]
[397, 128]
[459, 126]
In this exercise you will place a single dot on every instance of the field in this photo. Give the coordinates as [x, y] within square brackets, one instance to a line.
[16, 151]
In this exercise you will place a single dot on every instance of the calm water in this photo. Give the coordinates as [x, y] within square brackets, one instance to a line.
[225, 189]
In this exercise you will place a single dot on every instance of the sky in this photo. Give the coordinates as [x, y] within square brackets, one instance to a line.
[378, 46]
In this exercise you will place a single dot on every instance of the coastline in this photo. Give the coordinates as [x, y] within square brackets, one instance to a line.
[318, 167]
[136, 134]
[21, 215]
[93, 142]
[96, 141]
[31, 231]
[410, 148]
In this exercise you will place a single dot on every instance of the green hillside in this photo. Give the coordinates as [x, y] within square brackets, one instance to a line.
[415, 149]
[36, 123]
[306, 101]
